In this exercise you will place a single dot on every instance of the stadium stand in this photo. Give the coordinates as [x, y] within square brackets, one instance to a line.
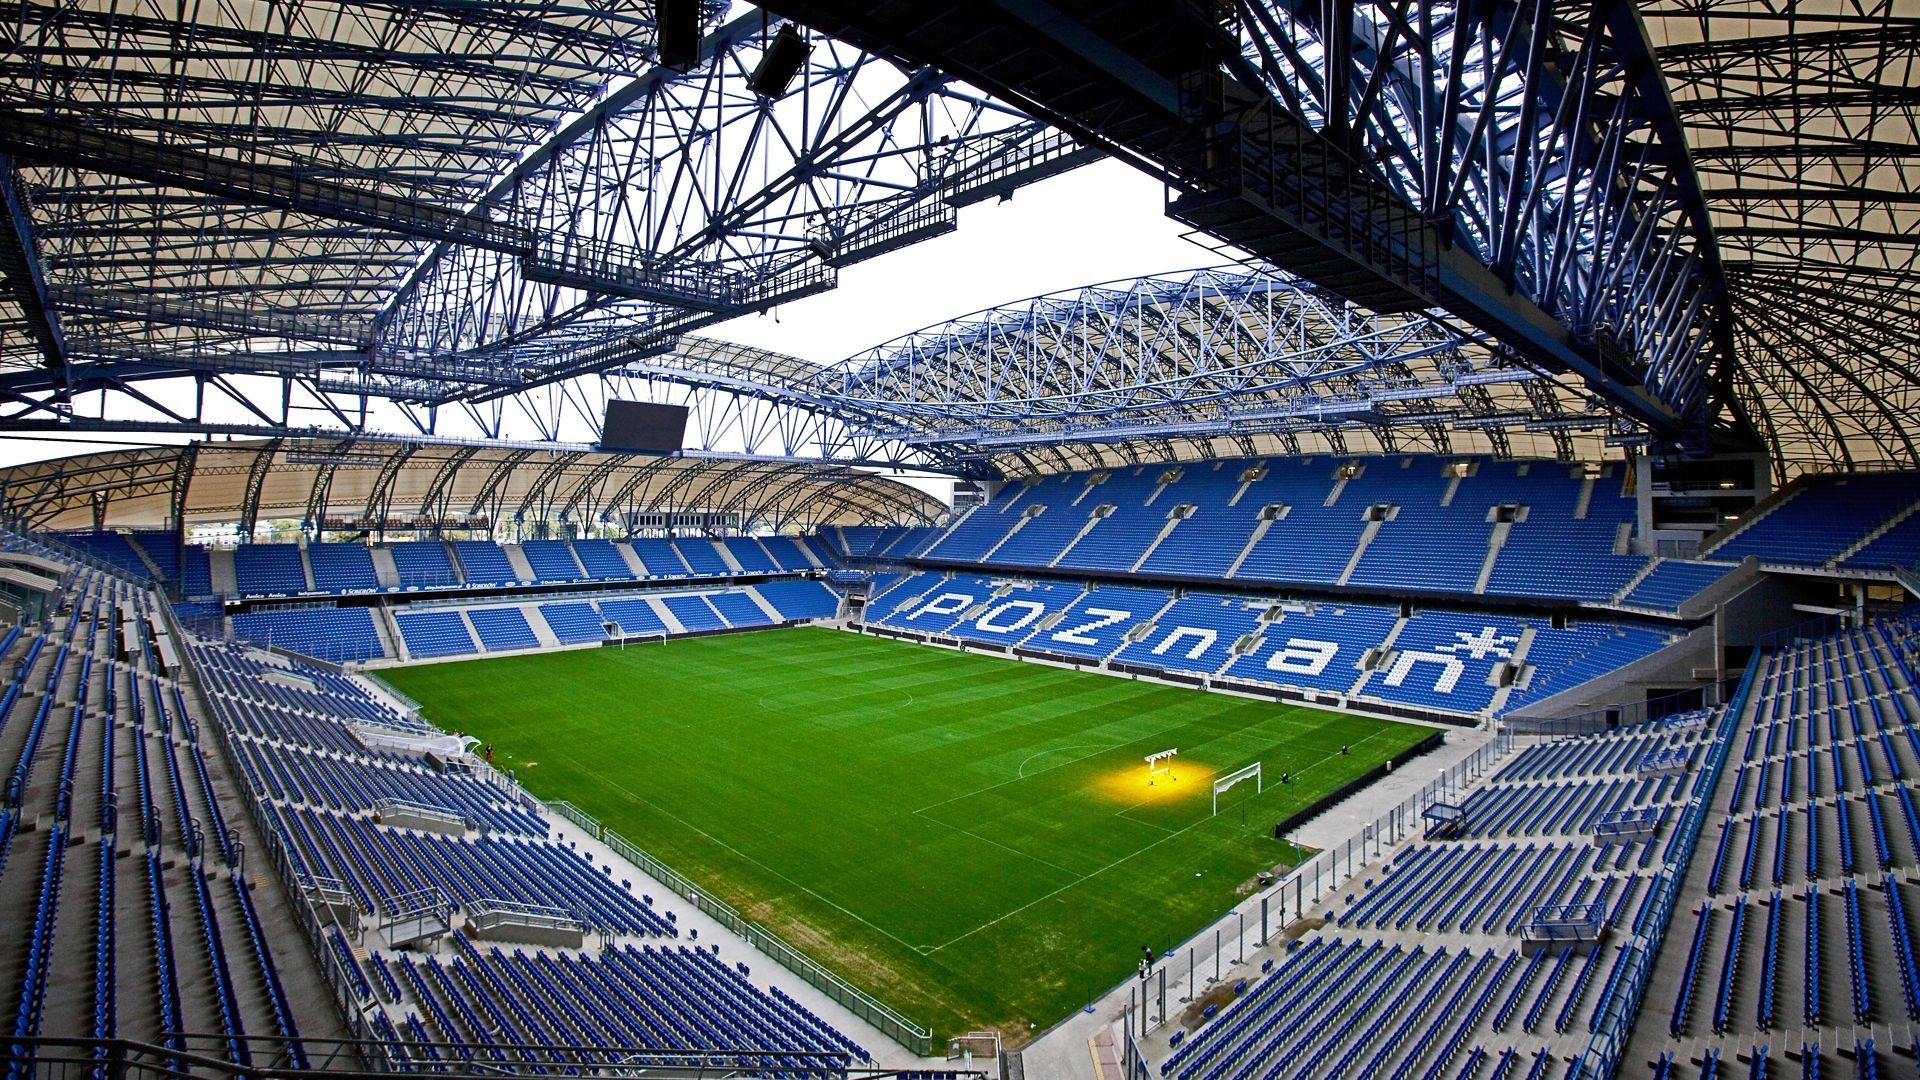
[335, 634]
[317, 784]
[750, 555]
[342, 567]
[552, 560]
[1795, 938]
[196, 577]
[110, 547]
[699, 555]
[798, 599]
[694, 613]
[501, 629]
[634, 617]
[1672, 582]
[435, 633]
[602, 560]
[1315, 647]
[661, 558]
[1446, 960]
[162, 549]
[482, 562]
[1816, 522]
[739, 609]
[423, 563]
[788, 553]
[573, 623]
[1409, 522]
[269, 570]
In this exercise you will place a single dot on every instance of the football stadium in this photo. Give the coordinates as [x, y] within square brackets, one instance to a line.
[960, 541]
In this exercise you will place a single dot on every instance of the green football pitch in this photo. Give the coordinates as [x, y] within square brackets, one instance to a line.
[973, 840]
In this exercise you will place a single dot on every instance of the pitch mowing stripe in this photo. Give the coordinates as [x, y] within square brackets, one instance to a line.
[943, 829]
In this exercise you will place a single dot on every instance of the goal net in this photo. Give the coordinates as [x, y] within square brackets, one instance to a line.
[1251, 772]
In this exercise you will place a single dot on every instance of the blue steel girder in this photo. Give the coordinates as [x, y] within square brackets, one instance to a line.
[688, 199]
[1515, 162]
[475, 200]
[23, 276]
[1197, 355]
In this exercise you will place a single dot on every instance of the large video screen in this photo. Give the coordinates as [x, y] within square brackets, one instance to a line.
[644, 427]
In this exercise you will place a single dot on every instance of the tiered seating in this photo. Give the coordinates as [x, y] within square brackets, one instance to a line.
[1563, 659]
[324, 633]
[1674, 582]
[698, 552]
[552, 560]
[1443, 659]
[602, 560]
[661, 558]
[1315, 647]
[750, 555]
[694, 612]
[788, 553]
[940, 608]
[501, 629]
[423, 564]
[1068, 501]
[1432, 966]
[1801, 929]
[196, 575]
[635, 617]
[739, 609]
[1098, 621]
[1196, 634]
[1118, 540]
[974, 535]
[109, 547]
[800, 598]
[161, 547]
[573, 623]
[1823, 519]
[435, 633]
[1553, 553]
[1402, 555]
[342, 567]
[1897, 547]
[484, 563]
[1009, 618]
[269, 570]
[1205, 544]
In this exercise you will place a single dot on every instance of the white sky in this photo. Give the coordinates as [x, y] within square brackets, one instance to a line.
[1102, 222]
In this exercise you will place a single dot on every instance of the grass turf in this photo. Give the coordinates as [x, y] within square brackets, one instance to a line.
[970, 839]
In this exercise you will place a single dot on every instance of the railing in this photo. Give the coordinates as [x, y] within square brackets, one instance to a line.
[1621, 997]
[342, 1059]
[1626, 715]
[857, 1001]
[1319, 875]
[488, 914]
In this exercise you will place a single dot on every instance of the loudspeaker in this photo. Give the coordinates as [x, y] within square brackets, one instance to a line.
[780, 63]
[677, 28]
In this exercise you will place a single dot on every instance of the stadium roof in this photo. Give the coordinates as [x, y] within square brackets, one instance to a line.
[1804, 123]
[301, 211]
[358, 483]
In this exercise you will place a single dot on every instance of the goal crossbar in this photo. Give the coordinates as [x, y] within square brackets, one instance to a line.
[1223, 783]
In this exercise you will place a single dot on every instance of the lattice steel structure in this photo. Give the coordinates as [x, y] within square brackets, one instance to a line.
[212, 220]
[397, 486]
[1680, 223]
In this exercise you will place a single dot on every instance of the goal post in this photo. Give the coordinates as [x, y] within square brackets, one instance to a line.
[1221, 784]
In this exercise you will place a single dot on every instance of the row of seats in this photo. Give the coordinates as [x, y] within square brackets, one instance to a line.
[343, 634]
[292, 729]
[1802, 920]
[1435, 961]
[343, 567]
[191, 952]
[1437, 660]
[1421, 523]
